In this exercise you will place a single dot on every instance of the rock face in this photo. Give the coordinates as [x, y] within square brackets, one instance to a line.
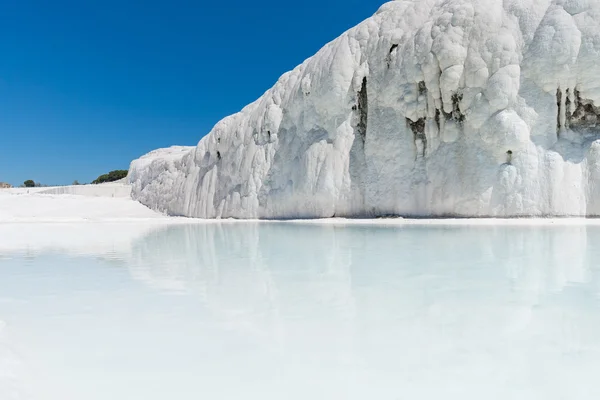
[428, 108]
[5, 185]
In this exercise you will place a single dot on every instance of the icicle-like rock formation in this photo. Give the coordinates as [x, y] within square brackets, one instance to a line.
[428, 108]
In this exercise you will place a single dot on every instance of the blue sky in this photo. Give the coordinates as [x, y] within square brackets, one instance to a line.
[87, 86]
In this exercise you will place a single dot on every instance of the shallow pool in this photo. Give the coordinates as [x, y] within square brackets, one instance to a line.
[291, 311]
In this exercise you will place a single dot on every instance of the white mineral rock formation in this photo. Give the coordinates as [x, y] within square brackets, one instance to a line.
[428, 108]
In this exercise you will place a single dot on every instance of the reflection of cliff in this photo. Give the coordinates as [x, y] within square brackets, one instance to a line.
[410, 302]
[11, 370]
[257, 278]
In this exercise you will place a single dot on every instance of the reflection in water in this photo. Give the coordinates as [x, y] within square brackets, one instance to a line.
[11, 370]
[283, 310]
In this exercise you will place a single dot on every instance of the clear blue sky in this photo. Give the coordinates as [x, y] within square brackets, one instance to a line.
[87, 86]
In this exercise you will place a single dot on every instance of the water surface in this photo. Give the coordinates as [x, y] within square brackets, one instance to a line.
[289, 311]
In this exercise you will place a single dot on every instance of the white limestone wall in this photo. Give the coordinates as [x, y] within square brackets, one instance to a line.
[428, 108]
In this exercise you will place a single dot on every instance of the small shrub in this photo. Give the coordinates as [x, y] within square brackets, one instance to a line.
[29, 183]
[111, 176]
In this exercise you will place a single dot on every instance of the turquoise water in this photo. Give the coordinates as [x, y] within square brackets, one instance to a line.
[289, 311]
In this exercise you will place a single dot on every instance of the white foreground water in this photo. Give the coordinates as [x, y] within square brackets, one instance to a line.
[298, 311]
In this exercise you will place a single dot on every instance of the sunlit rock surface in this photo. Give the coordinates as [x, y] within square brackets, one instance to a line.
[428, 108]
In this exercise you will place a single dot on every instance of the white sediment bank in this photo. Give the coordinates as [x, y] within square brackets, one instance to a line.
[72, 203]
[476, 108]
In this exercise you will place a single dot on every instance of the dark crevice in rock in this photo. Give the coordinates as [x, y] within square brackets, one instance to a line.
[363, 111]
[218, 155]
[422, 88]
[262, 138]
[417, 127]
[388, 58]
[586, 115]
[568, 108]
[559, 108]
[358, 159]
[418, 130]
[509, 155]
[456, 114]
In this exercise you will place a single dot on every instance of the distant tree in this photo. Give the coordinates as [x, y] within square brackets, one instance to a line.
[76, 183]
[29, 183]
[111, 176]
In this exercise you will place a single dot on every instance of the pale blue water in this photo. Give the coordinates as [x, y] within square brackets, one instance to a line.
[285, 311]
